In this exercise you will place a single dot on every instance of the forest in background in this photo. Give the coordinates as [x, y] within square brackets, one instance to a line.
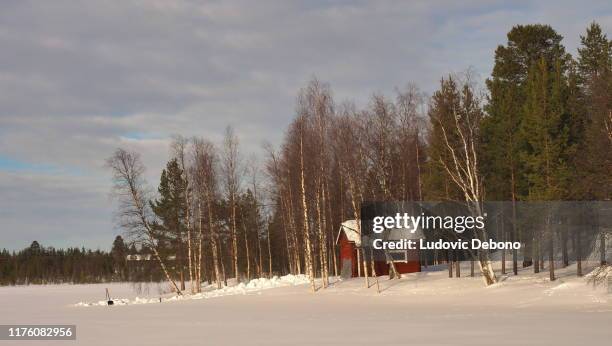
[539, 130]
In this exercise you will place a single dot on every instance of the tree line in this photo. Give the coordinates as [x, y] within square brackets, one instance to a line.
[540, 130]
[38, 264]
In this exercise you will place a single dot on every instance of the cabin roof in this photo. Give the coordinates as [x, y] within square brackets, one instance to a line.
[350, 229]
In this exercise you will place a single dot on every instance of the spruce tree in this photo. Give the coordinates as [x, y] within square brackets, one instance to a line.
[544, 131]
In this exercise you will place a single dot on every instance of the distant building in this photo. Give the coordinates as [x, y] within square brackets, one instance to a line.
[147, 257]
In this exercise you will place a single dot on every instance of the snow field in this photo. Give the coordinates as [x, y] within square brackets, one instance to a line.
[426, 308]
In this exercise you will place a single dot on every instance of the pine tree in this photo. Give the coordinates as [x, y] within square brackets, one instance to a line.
[502, 144]
[170, 208]
[595, 54]
[526, 46]
[593, 148]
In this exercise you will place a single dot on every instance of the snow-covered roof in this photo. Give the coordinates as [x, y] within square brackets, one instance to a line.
[350, 228]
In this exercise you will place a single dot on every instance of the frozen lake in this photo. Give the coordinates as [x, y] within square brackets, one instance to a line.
[422, 309]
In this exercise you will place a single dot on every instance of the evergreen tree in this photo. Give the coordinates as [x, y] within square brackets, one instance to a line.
[595, 53]
[503, 146]
[544, 131]
[119, 252]
[527, 45]
[593, 159]
[170, 209]
[445, 101]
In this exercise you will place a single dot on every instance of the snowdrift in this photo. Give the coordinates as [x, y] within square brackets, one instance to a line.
[252, 286]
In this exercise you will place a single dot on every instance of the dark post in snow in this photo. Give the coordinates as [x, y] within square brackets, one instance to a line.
[449, 260]
[578, 253]
[551, 260]
[472, 267]
[457, 265]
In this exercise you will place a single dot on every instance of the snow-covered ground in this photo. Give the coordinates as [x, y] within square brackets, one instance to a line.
[424, 308]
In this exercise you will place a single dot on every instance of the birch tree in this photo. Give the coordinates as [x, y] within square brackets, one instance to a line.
[231, 181]
[134, 213]
[205, 180]
[179, 149]
[457, 125]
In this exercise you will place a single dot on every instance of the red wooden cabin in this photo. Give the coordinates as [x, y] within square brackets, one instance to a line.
[349, 241]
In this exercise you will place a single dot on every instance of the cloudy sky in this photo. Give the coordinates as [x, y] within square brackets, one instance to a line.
[78, 79]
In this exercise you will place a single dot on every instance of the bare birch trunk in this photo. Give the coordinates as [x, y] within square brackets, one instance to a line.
[188, 225]
[248, 256]
[200, 240]
[178, 145]
[322, 235]
[190, 264]
[259, 255]
[269, 255]
[165, 270]
[288, 238]
[234, 239]
[294, 233]
[213, 244]
[309, 262]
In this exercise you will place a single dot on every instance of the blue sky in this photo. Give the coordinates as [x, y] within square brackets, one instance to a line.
[80, 79]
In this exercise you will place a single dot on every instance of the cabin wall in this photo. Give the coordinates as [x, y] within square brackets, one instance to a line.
[348, 252]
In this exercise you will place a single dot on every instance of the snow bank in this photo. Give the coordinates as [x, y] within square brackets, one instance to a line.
[600, 275]
[252, 286]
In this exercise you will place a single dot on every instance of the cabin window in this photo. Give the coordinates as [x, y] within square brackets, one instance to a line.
[398, 255]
